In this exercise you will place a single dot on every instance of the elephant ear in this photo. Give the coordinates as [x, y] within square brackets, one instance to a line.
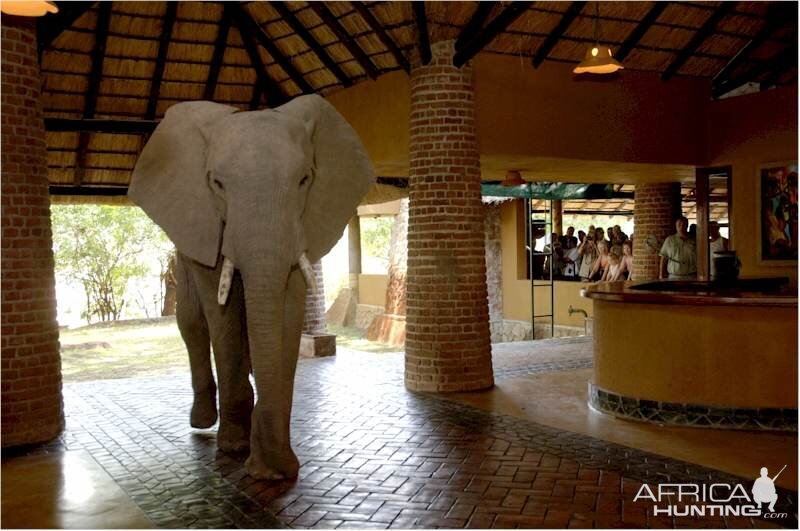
[169, 180]
[342, 172]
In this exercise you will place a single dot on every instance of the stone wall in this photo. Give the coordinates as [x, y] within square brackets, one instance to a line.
[32, 408]
[494, 269]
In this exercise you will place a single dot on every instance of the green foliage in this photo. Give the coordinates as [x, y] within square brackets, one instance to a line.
[376, 236]
[103, 247]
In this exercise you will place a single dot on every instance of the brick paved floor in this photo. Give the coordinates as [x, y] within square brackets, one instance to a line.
[376, 456]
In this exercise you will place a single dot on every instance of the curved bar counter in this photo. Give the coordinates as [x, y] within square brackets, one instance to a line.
[692, 353]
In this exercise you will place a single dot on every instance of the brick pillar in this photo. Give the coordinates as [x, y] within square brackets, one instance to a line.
[315, 304]
[32, 409]
[354, 252]
[447, 328]
[656, 206]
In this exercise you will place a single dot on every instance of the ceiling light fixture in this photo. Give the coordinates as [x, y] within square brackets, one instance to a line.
[598, 58]
[28, 8]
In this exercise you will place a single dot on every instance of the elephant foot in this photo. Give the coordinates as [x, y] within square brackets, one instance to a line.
[233, 438]
[259, 470]
[204, 412]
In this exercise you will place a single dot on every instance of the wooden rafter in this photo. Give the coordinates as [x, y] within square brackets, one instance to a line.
[96, 72]
[777, 15]
[552, 39]
[638, 32]
[492, 30]
[382, 34]
[94, 125]
[781, 61]
[53, 25]
[161, 60]
[475, 23]
[265, 40]
[219, 52]
[423, 39]
[344, 36]
[782, 64]
[301, 31]
[697, 39]
[264, 84]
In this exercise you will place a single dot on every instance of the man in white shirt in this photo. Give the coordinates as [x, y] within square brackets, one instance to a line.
[715, 243]
[678, 254]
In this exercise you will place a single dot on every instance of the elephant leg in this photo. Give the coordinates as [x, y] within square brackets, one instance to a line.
[271, 454]
[231, 354]
[194, 330]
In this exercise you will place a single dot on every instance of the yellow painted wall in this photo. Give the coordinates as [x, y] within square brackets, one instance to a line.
[372, 289]
[738, 356]
[633, 118]
[517, 290]
[745, 132]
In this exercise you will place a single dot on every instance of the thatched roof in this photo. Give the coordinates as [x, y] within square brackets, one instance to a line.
[133, 60]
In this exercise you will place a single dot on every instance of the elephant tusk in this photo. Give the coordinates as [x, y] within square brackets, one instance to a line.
[308, 272]
[225, 280]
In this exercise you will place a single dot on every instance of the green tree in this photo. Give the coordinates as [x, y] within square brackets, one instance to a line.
[376, 236]
[103, 247]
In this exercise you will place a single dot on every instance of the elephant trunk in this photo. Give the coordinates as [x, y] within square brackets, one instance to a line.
[271, 456]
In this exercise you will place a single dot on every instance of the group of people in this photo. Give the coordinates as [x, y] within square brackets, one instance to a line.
[592, 255]
[606, 256]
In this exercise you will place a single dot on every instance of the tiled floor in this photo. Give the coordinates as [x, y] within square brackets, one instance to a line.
[376, 456]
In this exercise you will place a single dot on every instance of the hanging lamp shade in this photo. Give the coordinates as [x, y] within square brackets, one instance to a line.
[28, 8]
[598, 60]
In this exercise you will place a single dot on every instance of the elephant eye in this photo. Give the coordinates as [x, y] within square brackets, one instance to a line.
[304, 180]
[218, 183]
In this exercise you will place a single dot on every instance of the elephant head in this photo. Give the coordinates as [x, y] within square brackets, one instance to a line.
[269, 192]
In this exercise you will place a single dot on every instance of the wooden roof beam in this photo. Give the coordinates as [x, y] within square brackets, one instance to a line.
[161, 60]
[347, 40]
[701, 35]
[266, 41]
[96, 72]
[783, 63]
[94, 125]
[552, 39]
[264, 84]
[298, 27]
[492, 30]
[475, 23]
[50, 27]
[777, 15]
[382, 34]
[638, 32]
[782, 60]
[219, 52]
[423, 39]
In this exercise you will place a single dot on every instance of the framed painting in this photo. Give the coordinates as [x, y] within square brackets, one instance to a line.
[777, 211]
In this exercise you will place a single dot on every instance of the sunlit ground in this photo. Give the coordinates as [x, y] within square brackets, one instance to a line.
[126, 349]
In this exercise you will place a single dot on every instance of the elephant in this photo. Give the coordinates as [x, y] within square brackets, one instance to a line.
[250, 199]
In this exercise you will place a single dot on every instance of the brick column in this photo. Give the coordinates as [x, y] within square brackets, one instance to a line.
[315, 304]
[447, 329]
[558, 217]
[656, 206]
[32, 409]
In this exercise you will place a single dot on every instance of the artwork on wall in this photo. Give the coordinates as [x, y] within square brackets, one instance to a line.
[778, 212]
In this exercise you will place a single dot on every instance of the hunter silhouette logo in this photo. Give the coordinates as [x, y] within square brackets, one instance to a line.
[764, 489]
[715, 499]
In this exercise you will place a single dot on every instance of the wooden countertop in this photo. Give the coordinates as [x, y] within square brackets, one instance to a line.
[747, 293]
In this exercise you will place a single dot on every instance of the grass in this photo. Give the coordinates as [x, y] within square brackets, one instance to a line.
[149, 347]
[122, 349]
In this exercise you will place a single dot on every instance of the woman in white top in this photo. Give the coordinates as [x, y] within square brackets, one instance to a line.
[587, 250]
[612, 271]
